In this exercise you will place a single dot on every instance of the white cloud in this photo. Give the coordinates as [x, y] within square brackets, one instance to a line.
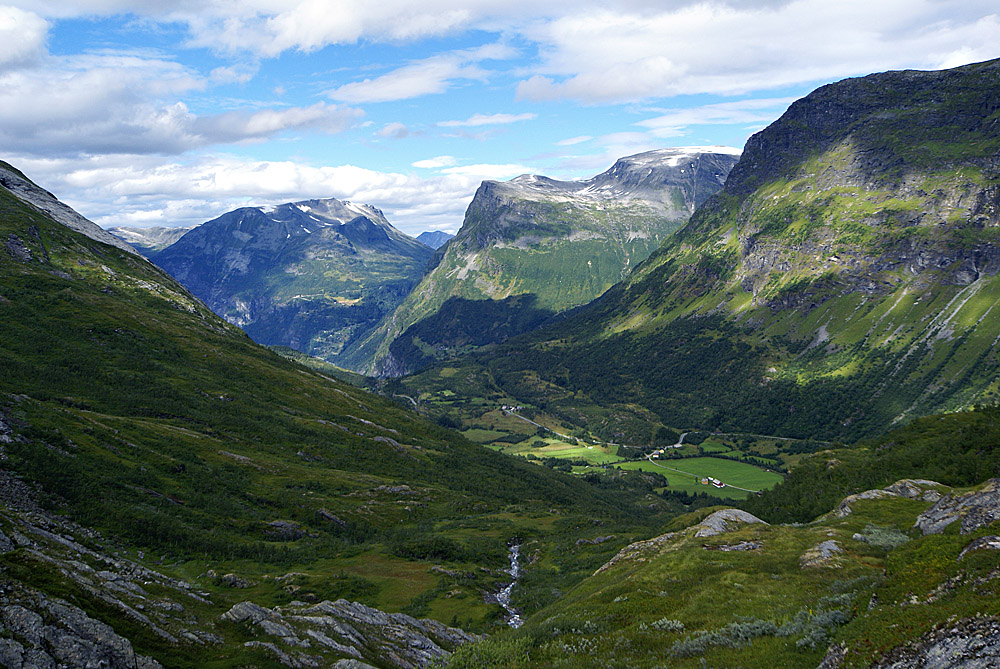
[676, 122]
[434, 163]
[574, 140]
[151, 190]
[121, 103]
[22, 37]
[423, 77]
[488, 171]
[488, 119]
[601, 56]
[394, 130]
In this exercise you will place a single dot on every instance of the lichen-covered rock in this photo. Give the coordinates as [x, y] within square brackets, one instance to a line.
[725, 520]
[299, 634]
[70, 638]
[821, 555]
[972, 643]
[921, 489]
[974, 509]
[637, 550]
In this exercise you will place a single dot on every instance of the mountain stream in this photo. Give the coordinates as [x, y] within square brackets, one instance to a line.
[503, 596]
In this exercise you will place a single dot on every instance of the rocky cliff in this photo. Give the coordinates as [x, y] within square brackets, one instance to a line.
[534, 247]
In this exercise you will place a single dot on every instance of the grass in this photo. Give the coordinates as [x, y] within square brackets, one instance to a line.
[729, 472]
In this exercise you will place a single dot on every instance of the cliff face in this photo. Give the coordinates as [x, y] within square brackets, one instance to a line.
[547, 246]
[311, 275]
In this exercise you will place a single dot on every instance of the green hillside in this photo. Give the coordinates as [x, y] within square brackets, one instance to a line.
[132, 410]
[862, 578]
[843, 280]
[534, 247]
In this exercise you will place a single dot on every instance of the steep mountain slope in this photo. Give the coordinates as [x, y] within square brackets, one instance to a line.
[435, 239]
[149, 241]
[158, 469]
[845, 278]
[312, 275]
[534, 247]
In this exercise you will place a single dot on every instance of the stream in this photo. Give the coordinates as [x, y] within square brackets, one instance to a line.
[503, 597]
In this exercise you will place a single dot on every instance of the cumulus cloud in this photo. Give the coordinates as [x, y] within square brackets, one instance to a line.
[488, 119]
[151, 190]
[22, 37]
[394, 130]
[601, 56]
[114, 103]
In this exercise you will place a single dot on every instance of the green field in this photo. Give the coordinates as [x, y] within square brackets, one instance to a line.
[555, 448]
[729, 472]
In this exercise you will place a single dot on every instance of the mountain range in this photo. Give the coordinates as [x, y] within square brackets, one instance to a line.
[842, 281]
[314, 275]
[734, 456]
[149, 241]
[534, 247]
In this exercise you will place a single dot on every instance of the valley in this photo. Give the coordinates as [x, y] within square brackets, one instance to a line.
[706, 408]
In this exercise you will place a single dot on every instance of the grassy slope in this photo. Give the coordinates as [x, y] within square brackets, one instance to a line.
[763, 607]
[844, 279]
[145, 416]
[534, 259]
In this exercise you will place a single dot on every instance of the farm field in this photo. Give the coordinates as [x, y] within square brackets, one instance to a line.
[730, 472]
[555, 448]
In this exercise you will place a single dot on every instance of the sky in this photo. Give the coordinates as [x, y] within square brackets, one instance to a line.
[172, 112]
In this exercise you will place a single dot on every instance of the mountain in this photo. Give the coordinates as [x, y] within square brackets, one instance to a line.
[313, 275]
[434, 239]
[173, 494]
[534, 247]
[22, 188]
[843, 280]
[149, 241]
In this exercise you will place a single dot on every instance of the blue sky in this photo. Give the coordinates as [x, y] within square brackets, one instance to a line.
[140, 112]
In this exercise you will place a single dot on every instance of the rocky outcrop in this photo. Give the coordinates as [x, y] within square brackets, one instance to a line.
[725, 520]
[974, 510]
[909, 488]
[638, 551]
[822, 554]
[304, 635]
[972, 643]
[39, 631]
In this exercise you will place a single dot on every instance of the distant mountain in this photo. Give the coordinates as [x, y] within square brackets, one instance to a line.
[149, 241]
[845, 279]
[435, 239]
[533, 247]
[313, 275]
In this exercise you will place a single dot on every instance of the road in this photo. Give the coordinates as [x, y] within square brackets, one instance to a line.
[528, 420]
